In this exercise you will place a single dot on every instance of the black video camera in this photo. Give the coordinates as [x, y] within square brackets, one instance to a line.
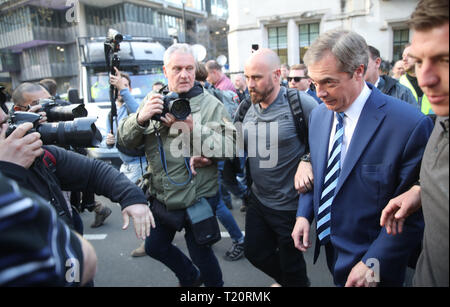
[112, 47]
[179, 107]
[57, 110]
[81, 132]
[4, 97]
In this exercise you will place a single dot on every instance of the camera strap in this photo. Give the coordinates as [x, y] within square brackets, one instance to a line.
[162, 156]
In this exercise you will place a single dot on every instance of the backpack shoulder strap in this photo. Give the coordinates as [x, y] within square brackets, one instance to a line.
[242, 110]
[300, 122]
[49, 160]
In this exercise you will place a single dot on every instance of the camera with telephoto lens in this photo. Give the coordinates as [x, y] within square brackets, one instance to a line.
[173, 104]
[81, 132]
[58, 110]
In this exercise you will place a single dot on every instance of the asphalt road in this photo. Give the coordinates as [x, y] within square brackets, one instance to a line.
[116, 268]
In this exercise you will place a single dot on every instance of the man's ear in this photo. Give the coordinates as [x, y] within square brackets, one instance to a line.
[378, 63]
[277, 74]
[359, 72]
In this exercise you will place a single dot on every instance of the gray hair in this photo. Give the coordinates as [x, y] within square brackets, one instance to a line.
[177, 48]
[349, 48]
[17, 95]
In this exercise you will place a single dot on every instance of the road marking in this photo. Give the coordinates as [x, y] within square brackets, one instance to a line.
[103, 236]
[227, 235]
[95, 237]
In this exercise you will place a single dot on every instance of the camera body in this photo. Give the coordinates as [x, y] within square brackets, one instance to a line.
[179, 107]
[81, 132]
[61, 111]
[113, 36]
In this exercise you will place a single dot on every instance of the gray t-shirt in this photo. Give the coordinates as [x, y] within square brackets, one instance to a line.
[274, 150]
[432, 266]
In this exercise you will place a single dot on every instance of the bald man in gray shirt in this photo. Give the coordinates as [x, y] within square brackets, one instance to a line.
[274, 150]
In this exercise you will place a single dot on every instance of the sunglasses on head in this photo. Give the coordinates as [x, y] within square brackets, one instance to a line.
[296, 79]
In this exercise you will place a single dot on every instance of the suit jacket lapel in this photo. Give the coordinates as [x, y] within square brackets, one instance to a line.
[370, 119]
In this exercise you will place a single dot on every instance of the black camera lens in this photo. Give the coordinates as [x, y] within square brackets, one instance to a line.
[180, 108]
[4, 107]
[81, 132]
[65, 113]
[3, 99]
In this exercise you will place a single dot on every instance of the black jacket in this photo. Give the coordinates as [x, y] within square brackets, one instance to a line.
[392, 87]
[73, 172]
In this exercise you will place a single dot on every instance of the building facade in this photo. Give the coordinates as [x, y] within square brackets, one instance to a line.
[289, 27]
[38, 38]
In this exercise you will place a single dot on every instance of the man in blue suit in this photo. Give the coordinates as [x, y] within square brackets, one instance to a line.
[366, 147]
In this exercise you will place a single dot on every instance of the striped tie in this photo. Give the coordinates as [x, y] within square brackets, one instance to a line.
[330, 183]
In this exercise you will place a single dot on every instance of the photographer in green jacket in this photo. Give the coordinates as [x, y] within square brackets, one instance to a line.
[182, 156]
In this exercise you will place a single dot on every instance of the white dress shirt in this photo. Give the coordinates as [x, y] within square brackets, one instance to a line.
[350, 121]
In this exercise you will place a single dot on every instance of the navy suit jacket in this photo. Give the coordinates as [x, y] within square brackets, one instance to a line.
[382, 161]
[314, 95]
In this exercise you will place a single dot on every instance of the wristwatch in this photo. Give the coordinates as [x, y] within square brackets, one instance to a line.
[306, 157]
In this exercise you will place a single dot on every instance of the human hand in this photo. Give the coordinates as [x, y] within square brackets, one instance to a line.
[19, 148]
[142, 219]
[118, 81]
[170, 119]
[154, 105]
[304, 178]
[361, 276]
[199, 162]
[398, 209]
[36, 109]
[110, 139]
[300, 234]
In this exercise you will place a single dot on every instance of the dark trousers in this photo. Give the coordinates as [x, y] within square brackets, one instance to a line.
[269, 245]
[159, 246]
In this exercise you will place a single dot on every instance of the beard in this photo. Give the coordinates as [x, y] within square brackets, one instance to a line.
[260, 96]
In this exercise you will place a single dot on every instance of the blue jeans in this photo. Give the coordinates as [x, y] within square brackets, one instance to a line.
[159, 246]
[225, 195]
[226, 218]
[233, 182]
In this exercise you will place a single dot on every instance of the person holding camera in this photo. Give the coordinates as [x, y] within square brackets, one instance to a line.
[182, 182]
[27, 97]
[134, 162]
[48, 170]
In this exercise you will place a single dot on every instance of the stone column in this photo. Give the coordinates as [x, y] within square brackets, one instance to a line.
[293, 43]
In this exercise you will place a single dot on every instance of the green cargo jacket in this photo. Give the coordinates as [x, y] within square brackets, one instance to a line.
[214, 137]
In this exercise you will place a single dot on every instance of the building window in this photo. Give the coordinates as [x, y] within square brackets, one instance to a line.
[308, 34]
[278, 42]
[401, 38]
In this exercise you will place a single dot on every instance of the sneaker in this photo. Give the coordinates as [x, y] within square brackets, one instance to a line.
[101, 213]
[236, 252]
[140, 251]
[244, 204]
[229, 205]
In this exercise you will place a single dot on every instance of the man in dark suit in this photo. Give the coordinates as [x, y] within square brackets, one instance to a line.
[366, 147]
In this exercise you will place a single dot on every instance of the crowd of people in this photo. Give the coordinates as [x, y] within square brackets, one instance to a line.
[359, 154]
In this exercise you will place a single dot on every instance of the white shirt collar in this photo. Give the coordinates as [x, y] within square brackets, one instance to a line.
[354, 111]
[378, 82]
